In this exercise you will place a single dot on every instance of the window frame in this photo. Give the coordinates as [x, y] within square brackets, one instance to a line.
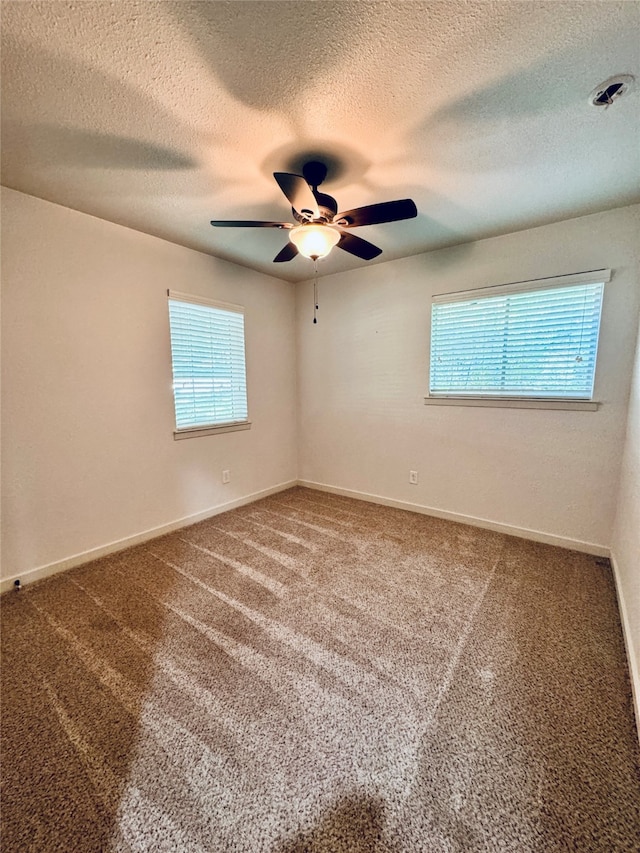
[480, 399]
[211, 428]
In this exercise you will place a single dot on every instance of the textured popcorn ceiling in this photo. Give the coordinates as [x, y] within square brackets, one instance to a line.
[162, 116]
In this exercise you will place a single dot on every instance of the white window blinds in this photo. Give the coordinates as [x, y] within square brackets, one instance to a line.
[207, 350]
[537, 340]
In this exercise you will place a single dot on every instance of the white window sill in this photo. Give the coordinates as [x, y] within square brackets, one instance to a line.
[514, 403]
[196, 432]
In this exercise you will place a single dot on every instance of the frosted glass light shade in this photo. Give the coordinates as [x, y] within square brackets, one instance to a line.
[314, 240]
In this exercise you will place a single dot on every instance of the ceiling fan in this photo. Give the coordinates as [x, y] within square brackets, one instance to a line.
[320, 226]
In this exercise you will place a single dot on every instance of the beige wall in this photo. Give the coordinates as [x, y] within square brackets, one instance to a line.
[88, 453]
[625, 547]
[362, 376]
[88, 456]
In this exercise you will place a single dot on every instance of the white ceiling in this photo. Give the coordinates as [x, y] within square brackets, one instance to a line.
[162, 116]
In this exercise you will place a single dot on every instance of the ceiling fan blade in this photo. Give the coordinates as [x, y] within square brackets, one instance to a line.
[358, 247]
[374, 214]
[299, 193]
[248, 223]
[288, 253]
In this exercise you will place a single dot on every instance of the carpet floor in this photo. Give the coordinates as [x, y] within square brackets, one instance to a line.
[315, 674]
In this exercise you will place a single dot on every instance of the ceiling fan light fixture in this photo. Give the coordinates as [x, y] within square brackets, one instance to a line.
[314, 240]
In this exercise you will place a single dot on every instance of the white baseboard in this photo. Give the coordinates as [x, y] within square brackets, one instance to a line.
[111, 547]
[634, 669]
[511, 530]
[31, 575]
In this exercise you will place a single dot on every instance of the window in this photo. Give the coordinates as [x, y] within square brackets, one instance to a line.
[528, 341]
[209, 376]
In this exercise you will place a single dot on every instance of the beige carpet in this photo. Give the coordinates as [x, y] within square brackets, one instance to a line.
[313, 673]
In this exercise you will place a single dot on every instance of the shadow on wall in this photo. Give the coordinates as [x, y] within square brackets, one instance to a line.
[354, 825]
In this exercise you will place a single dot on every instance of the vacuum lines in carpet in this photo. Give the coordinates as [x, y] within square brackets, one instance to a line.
[316, 674]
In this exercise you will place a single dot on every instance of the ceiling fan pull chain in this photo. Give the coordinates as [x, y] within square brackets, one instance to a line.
[315, 290]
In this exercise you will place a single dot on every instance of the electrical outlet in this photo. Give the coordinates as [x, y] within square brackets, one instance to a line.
[226, 476]
[413, 478]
